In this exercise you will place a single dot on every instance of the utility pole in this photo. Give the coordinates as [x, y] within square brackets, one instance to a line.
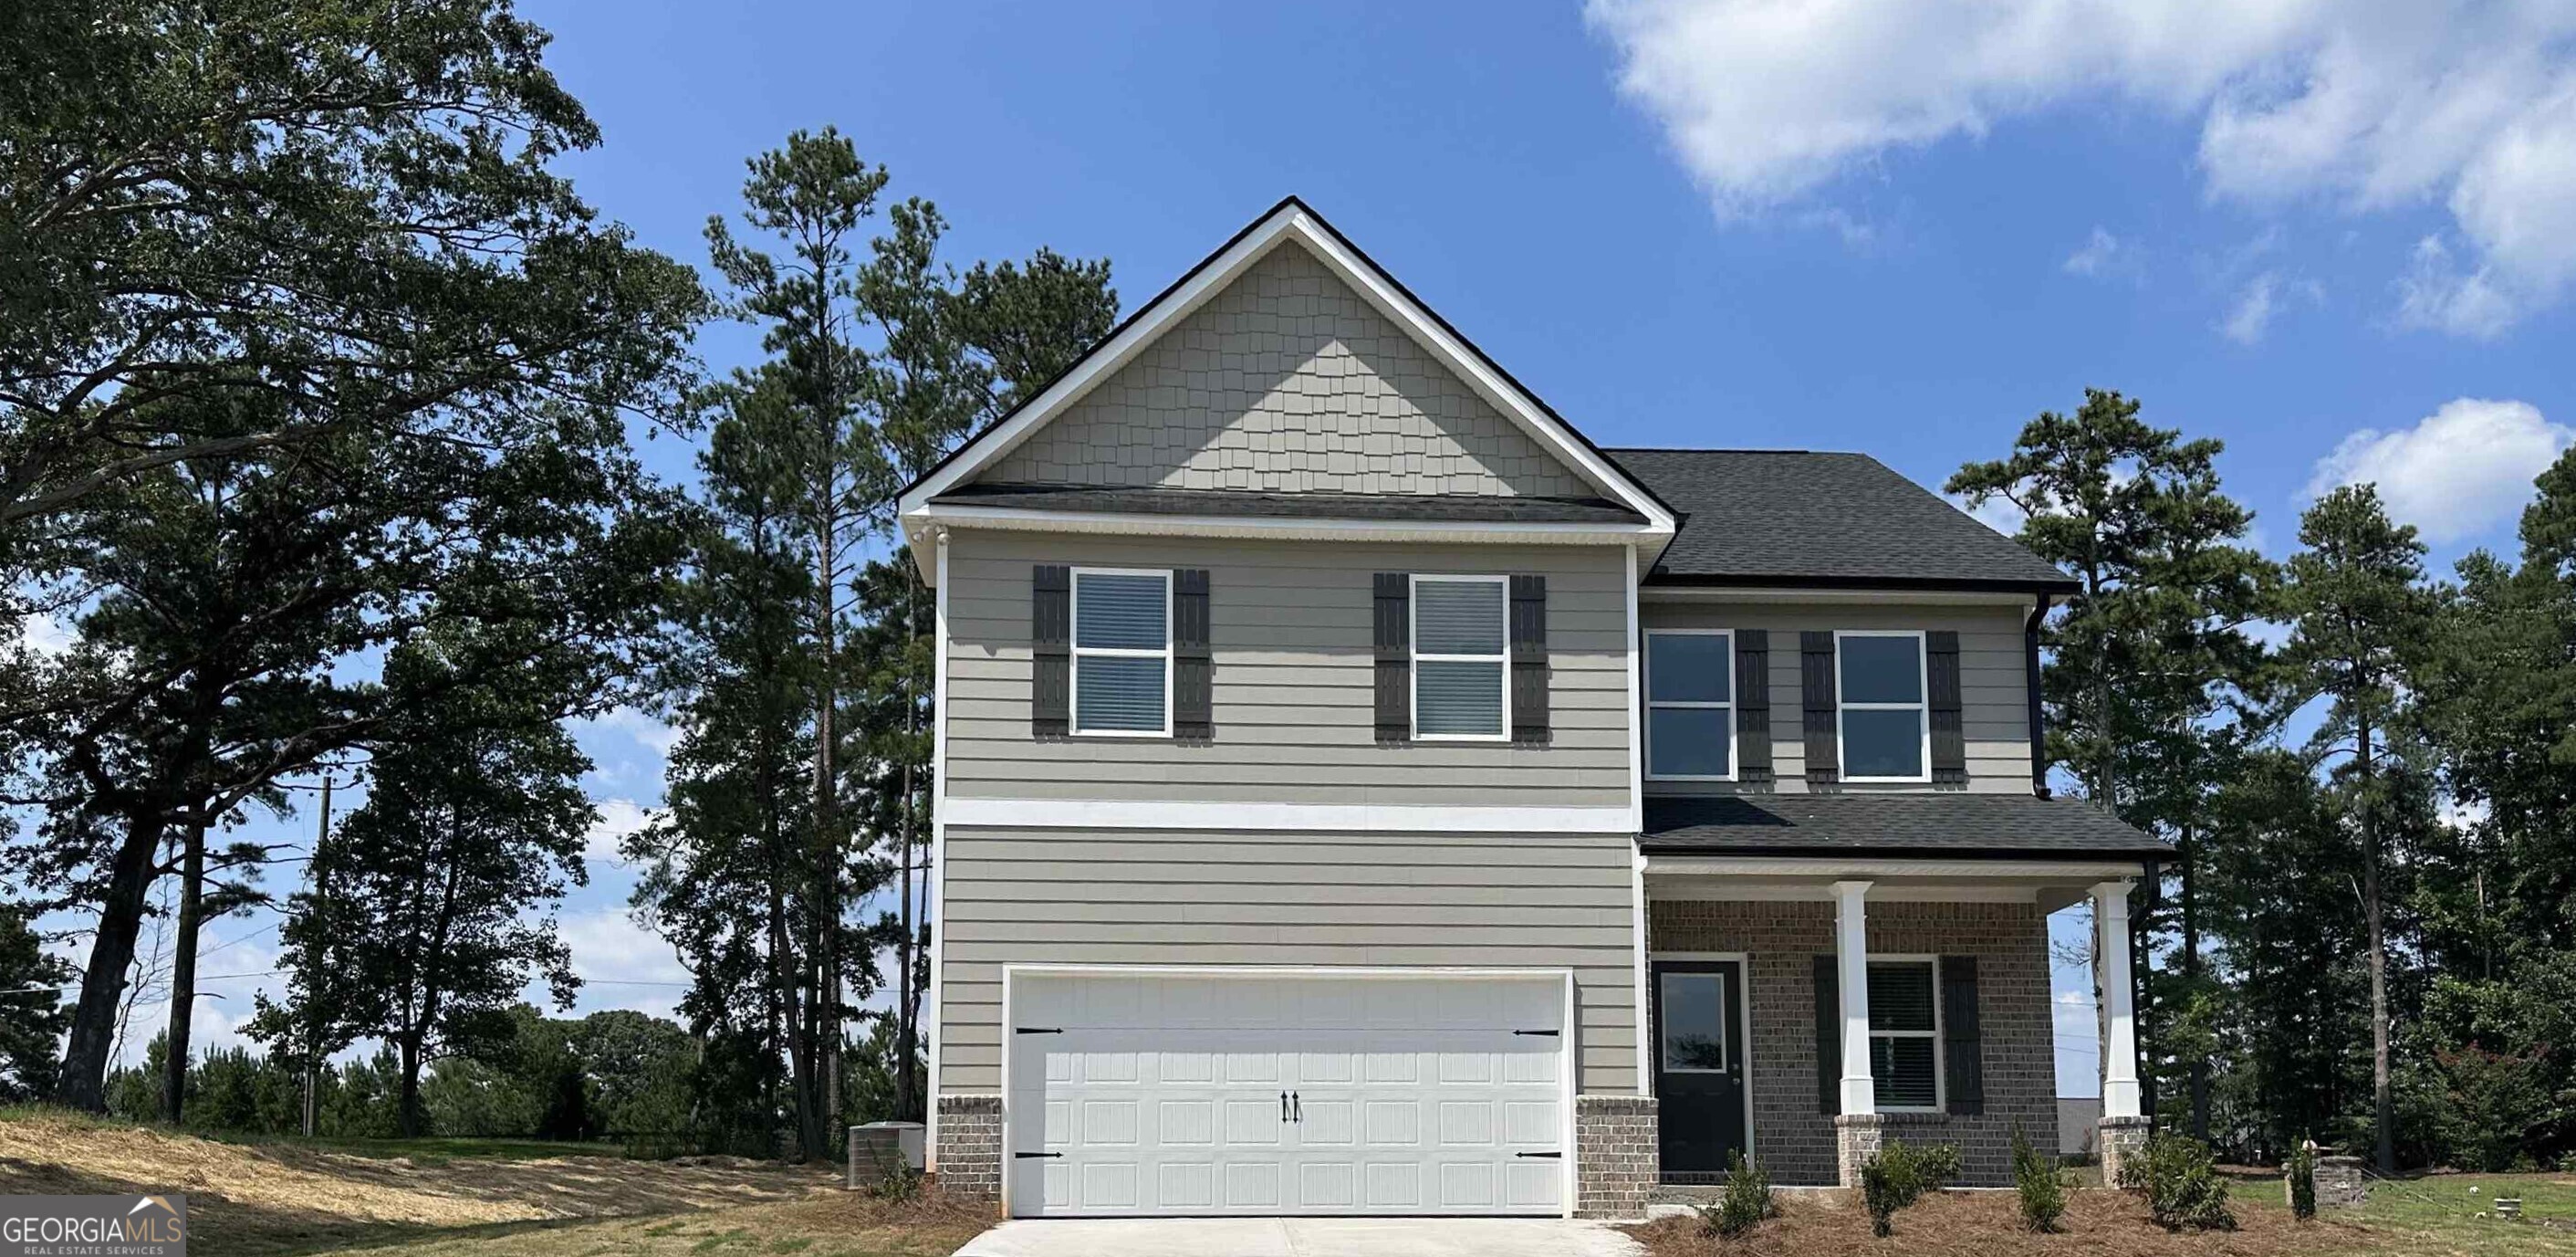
[313, 1012]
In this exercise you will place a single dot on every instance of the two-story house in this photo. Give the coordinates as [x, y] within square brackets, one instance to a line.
[1360, 793]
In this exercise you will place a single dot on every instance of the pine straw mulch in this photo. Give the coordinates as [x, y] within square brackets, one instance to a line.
[1988, 1224]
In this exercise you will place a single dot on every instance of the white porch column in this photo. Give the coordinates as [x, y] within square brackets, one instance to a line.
[2119, 1020]
[1851, 965]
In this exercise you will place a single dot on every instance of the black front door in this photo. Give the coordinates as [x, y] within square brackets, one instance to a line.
[1699, 1065]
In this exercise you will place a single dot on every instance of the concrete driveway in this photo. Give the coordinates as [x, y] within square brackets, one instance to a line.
[1299, 1237]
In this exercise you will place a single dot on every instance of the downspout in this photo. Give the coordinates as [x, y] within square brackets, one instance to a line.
[2038, 724]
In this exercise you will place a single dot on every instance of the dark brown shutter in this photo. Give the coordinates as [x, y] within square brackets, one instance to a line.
[1816, 683]
[1394, 657]
[1963, 1057]
[1050, 649]
[1949, 734]
[1529, 658]
[1753, 707]
[1829, 1039]
[1193, 670]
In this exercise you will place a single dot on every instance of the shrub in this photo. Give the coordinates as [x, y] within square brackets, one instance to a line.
[2181, 1184]
[1897, 1175]
[901, 1183]
[2303, 1181]
[2043, 1194]
[1747, 1200]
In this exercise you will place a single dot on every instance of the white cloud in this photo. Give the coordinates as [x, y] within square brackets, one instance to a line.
[2106, 256]
[2462, 471]
[2368, 106]
[643, 728]
[2252, 313]
[622, 964]
[1997, 513]
[45, 635]
[617, 819]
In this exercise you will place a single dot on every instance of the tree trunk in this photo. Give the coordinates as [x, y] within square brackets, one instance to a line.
[84, 1075]
[823, 1040]
[2383, 1100]
[2191, 970]
[183, 976]
[410, 1108]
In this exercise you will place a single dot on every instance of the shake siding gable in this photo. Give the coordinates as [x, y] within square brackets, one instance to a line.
[1294, 660]
[1287, 381]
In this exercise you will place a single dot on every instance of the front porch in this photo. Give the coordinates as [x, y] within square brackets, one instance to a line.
[1924, 980]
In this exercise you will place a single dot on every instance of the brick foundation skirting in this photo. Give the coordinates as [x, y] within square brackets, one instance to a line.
[969, 1155]
[1616, 1155]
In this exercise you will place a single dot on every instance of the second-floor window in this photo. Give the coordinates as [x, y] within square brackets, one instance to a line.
[1690, 704]
[1460, 657]
[1122, 652]
[1881, 683]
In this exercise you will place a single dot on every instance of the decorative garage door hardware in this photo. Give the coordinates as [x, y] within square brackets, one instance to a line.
[1291, 1109]
[1543, 1156]
[1037, 1156]
[1038, 1030]
[1541, 1034]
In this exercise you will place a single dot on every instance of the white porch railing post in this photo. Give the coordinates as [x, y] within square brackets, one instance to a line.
[1851, 964]
[2119, 1019]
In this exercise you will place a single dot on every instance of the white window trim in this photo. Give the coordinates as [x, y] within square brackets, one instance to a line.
[1073, 635]
[1413, 638]
[1940, 1063]
[1663, 1006]
[1733, 683]
[1922, 708]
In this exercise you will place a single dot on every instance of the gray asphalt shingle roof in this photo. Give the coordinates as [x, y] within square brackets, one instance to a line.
[1925, 824]
[1445, 508]
[1798, 517]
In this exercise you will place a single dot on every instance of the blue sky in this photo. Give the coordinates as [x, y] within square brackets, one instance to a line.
[2341, 238]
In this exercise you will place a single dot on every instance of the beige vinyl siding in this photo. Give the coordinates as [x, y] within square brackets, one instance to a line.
[1387, 900]
[1291, 635]
[1288, 381]
[1995, 712]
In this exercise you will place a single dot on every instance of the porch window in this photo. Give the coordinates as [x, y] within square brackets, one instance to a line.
[1884, 734]
[1459, 658]
[1690, 705]
[1122, 653]
[1905, 1035]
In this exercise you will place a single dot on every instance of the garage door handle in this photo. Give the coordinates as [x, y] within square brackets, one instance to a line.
[1545, 1156]
[1038, 1030]
[1283, 1106]
[1054, 1156]
[1538, 1034]
[1298, 1107]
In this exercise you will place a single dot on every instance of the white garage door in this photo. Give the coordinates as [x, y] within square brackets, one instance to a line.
[1191, 1094]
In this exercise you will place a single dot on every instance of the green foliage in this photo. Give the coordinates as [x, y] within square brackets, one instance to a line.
[31, 1021]
[2035, 1180]
[2302, 1172]
[2491, 1110]
[900, 1184]
[1898, 1174]
[2180, 1181]
[1746, 1202]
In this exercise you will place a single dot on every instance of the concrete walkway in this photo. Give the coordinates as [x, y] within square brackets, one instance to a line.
[1299, 1237]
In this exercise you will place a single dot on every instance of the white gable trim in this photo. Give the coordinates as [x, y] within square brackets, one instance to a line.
[1292, 220]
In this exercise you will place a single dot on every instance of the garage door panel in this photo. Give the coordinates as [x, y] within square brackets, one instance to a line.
[1412, 1095]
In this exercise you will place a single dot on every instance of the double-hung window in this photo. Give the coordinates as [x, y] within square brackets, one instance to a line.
[1905, 1034]
[1885, 735]
[1690, 704]
[1461, 658]
[1122, 652]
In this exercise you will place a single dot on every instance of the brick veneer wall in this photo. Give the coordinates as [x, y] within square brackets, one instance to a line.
[1614, 1141]
[970, 1147]
[1288, 382]
[1794, 1140]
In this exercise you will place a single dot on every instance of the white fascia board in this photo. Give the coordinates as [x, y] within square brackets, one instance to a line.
[1289, 220]
[1838, 868]
[1281, 817]
[924, 522]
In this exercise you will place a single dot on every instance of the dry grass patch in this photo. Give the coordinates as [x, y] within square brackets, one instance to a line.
[840, 1224]
[283, 1197]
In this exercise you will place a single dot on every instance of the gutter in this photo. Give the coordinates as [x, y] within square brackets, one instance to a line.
[2038, 719]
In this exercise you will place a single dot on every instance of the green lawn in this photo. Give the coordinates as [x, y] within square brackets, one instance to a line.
[2439, 1214]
